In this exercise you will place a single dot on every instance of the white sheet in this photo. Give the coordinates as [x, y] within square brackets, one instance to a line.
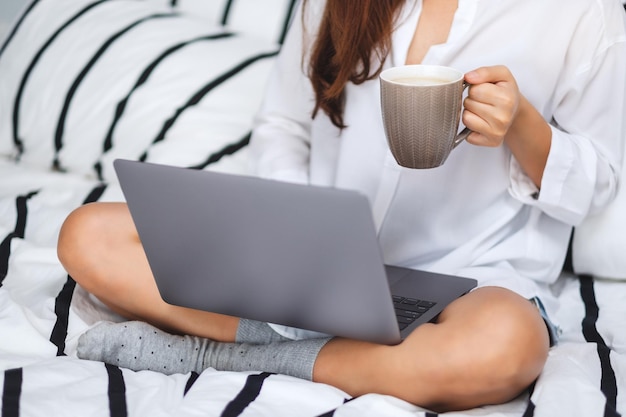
[39, 325]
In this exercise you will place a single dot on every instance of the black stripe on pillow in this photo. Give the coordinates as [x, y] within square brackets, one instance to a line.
[145, 75]
[11, 392]
[226, 150]
[226, 12]
[20, 228]
[63, 300]
[197, 97]
[249, 393]
[116, 392]
[58, 137]
[19, 144]
[287, 21]
[17, 26]
[608, 382]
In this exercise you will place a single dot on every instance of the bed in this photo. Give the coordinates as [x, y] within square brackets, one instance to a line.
[83, 82]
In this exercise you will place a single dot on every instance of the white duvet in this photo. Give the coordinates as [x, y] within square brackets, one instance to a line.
[42, 313]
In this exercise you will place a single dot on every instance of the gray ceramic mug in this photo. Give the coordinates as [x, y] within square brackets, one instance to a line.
[421, 108]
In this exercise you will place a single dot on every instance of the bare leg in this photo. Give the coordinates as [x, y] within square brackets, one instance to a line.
[100, 249]
[487, 347]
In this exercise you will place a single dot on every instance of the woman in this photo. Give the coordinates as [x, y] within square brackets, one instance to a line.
[544, 152]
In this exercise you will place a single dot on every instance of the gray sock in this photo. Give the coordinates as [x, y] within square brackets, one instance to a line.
[257, 333]
[139, 346]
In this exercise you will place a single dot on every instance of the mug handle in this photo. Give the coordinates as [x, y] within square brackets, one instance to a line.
[465, 132]
[461, 137]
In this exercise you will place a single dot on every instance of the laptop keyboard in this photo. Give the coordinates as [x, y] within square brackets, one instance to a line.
[409, 309]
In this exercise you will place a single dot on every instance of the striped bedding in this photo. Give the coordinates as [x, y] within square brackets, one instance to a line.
[83, 82]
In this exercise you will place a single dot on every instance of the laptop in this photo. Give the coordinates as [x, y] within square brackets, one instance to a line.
[298, 255]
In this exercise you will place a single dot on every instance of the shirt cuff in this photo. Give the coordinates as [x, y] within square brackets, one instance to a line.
[554, 197]
[522, 187]
[558, 165]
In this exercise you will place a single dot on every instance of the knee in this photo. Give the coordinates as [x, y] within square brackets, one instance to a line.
[76, 236]
[516, 341]
[498, 346]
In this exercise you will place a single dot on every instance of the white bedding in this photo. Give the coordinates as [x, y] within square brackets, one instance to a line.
[43, 312]
[42, 315]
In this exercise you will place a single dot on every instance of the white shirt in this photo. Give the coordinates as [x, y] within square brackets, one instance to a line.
[478, 215]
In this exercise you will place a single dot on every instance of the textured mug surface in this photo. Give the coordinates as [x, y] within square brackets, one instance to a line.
[421, 109]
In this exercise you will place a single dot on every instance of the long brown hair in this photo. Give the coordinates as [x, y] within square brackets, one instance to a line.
[352, 37]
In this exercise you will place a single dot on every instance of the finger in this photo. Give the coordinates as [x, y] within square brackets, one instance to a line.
[492, 74]
[481, 107]
[491, 94]
[496, 119]
[477, 139]
[482, 132]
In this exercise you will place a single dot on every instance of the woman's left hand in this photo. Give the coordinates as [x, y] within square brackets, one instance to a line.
[491, 105]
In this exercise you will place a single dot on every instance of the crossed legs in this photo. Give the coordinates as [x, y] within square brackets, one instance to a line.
[486, 347]
[99, 247]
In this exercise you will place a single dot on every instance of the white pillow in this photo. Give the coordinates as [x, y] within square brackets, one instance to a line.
[260, 18]
[599, 243]
[189, 91]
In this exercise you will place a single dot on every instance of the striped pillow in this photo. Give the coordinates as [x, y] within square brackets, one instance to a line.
[83, 82]
[267, 19]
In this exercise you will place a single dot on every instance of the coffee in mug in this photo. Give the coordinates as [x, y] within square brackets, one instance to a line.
[421, 108]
